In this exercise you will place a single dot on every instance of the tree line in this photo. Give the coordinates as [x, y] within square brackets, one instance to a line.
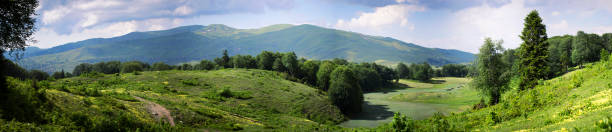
[344, 81]
[538, 58]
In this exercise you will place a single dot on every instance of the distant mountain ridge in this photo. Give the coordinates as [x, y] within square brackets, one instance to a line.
[197, 42]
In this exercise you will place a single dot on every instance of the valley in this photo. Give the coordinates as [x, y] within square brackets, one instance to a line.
[416, 99]
[338, 66]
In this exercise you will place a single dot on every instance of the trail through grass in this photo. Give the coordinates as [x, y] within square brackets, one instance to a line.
[416, 99]
[157, 110]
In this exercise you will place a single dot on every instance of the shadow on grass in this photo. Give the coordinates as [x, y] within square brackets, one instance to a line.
[393, 88]
[436, 81]
[372, 112]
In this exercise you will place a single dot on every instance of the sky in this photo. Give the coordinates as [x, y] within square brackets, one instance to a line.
[448, 24]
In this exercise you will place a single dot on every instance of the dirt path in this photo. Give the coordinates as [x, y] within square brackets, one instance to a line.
[157, 110]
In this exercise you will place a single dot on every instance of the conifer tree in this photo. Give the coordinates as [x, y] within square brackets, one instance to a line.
[533, 51]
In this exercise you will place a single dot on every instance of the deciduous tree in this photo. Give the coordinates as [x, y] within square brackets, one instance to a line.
[491, 80]
[344, 90]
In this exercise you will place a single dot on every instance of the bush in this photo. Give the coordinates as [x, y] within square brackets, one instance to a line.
[190, 82]
[401, 123]
[605, 124]
[226, 92]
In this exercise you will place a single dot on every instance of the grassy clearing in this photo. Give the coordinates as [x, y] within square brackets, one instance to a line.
[418, 100]
[229, 99]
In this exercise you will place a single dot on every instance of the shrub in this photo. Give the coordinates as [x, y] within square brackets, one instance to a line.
[226, 92]
[605, 124]
[401, 123]
[190, 82]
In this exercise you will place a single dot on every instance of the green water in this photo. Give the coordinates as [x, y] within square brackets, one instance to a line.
[379, 108]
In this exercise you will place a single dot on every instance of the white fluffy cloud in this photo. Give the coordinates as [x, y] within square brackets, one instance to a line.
[391, 15]
[470, 26]
[51, 16]
[48, 37]
[73, 20]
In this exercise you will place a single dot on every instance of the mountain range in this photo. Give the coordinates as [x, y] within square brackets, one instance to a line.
[197, 42]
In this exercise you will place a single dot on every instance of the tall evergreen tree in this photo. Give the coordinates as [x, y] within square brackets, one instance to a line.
[225, 60]
[533, 51]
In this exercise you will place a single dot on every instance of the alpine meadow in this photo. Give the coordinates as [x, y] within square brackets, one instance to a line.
[305, 65]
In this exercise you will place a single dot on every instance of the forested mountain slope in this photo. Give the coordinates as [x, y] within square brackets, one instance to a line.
[194, 43]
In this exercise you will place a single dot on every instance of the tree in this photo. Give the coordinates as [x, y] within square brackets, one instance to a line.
[559, 54]
[586, 48]
[403, 71]
[206, 65]
[224, 61]
[82, 68]
[112, 67]
[454, 70]
[323, 74]
[185, 67]
[423, 72]
[344, 90]
[491, 80]
[309, 69]
[533, 52]
[291, 63]
[38, 75]
[265, 60]
[160, 66]
[604, 55]
[59, 75]
[131, 67]
[17, 24]
[278, 65]
[98, 67]
[369, 80]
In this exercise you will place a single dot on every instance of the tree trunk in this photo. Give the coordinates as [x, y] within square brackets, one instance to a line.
[494, 98]
[3, 87]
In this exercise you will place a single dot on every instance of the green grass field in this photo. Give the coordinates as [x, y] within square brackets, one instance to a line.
[228, 99]
[416, 99]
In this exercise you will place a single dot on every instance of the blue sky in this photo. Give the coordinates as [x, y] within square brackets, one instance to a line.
[449, 24]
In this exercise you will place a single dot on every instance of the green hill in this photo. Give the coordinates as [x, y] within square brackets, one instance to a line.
[576, 101]
[194, 43]
[229, 99]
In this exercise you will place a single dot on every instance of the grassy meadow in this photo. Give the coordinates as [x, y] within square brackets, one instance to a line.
[225, 100]
[418, 100]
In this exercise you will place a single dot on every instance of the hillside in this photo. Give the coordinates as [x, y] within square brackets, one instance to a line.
[194, 43]
[576, 101]
[230, 99]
